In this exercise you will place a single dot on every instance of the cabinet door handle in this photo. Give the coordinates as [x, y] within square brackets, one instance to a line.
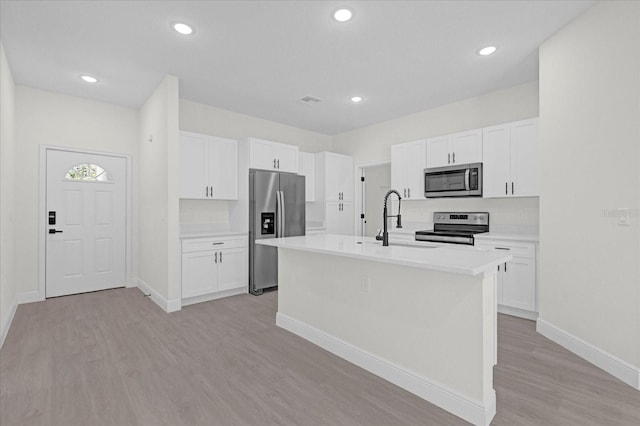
[503, 248]
[454, 158]
[217, 244]
[207, 192]
[506, 188]
[405, 192]
[448, 158]
[278, 164]
[505, 266]
[216, 257]
[511, 188]
[498, 268]
[220, 257]
[274, 163]
[409, 192]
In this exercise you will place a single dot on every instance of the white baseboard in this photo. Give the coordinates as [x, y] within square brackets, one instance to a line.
[29, 297]
[609, 363]
[516, 312]
[166, 305]
[214, 296]
[473, 411]
[6, 322]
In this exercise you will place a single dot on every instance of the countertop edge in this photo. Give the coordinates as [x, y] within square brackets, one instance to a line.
[420, 265]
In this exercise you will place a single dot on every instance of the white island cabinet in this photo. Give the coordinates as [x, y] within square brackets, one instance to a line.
[422, 318]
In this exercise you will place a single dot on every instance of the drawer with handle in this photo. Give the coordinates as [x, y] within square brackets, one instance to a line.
[516, 249]
[204, 244]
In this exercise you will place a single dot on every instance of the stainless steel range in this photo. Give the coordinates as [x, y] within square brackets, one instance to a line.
[456, 228]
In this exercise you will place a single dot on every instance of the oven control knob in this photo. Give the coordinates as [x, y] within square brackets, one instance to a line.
[476, 218]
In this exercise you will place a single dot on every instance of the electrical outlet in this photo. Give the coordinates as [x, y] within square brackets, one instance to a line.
[623, 216]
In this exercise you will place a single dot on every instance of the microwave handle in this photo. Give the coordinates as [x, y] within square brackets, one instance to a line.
[466, 179]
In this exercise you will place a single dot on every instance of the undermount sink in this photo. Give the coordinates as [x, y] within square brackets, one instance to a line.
[379, 243]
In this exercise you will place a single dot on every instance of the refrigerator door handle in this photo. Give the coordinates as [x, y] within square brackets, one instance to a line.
[282, 213]
[278, 214]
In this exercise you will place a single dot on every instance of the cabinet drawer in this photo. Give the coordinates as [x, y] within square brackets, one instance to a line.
[202, 244]
[523, 250]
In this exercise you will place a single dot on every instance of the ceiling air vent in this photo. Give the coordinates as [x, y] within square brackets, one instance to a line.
[309, 100]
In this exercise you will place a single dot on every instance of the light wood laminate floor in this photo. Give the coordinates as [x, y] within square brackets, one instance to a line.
[114, 358]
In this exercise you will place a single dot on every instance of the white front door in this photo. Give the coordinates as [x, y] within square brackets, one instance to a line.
[86, 222]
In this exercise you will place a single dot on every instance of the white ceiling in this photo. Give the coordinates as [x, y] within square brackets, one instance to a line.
[261, 57]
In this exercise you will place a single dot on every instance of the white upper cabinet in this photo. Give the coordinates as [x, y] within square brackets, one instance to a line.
[510, 153]
[408, 161]
[334, 176]
[458, 148]
[308, 170]
[268, 155]
[208, 167]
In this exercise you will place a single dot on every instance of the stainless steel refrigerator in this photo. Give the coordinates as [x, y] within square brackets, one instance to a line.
[276, 209]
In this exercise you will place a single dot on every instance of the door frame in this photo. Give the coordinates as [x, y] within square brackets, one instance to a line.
[42, 213]
[361, 193]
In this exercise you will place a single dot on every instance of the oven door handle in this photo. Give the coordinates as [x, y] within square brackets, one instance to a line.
[466, 179]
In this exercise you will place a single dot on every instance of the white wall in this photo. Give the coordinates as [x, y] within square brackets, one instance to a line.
[373, 144]
[590, 162]
[200, 118]
[8, 283]
[158, 194]
[47, 118]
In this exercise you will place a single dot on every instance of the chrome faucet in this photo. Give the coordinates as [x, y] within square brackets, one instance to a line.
[385, 216]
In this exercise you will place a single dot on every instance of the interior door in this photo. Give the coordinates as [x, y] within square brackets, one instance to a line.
[86, 222]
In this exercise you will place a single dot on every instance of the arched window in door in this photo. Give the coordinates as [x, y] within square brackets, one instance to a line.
[86, 172]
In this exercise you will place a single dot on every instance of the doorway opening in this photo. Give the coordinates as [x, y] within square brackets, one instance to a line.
[375, 181]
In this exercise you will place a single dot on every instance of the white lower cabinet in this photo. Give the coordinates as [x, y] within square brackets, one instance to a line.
[339, 219]
[214, 268]
[516, 279]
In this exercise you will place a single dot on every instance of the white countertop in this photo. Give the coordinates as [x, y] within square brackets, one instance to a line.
[193, 230]
[459, 260]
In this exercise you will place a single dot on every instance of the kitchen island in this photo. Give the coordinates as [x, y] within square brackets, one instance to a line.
[420, 317]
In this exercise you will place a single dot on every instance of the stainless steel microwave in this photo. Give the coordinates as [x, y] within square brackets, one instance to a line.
[461, 180]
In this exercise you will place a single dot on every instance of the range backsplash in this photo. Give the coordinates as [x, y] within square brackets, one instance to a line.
[502, 211]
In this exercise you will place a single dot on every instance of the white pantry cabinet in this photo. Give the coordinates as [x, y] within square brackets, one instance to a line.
[334, 174]
[334, 188]
[275, 156]
[408, 161]
[308, 170]
[516, 279]
[213, 268]
[510, 153]
[339, 217]
[208, 167]
[458, 148]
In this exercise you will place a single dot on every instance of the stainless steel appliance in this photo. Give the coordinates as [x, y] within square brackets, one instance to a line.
[457, 228]
[461, 180]
[276, 209]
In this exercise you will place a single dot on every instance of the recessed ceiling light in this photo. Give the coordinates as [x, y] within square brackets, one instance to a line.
[89, 79]
[356, 99]
[342, 15]
[487, 50]
[182, 28]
